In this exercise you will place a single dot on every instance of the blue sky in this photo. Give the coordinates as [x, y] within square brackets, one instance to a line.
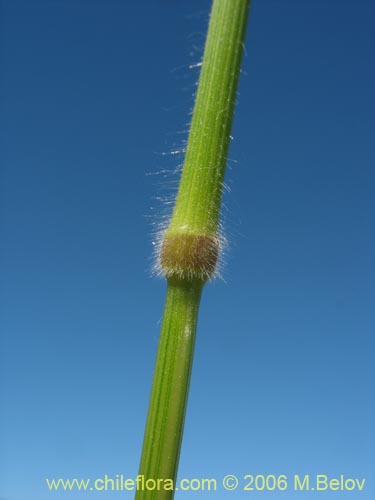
[96, 94]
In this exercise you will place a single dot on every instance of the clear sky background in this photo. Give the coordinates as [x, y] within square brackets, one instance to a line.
[96, 94]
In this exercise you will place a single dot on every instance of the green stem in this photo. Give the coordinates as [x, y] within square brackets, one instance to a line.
[165, 420]
[199, 197]
[191, 244]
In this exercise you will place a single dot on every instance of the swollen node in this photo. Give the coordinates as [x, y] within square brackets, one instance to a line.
[189, 256]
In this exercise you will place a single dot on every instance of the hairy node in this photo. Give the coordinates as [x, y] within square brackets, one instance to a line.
[189, 256]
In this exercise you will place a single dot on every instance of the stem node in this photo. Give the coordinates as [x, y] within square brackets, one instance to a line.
[189, 256]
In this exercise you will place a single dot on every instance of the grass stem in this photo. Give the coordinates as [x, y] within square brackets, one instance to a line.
[191, 243]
